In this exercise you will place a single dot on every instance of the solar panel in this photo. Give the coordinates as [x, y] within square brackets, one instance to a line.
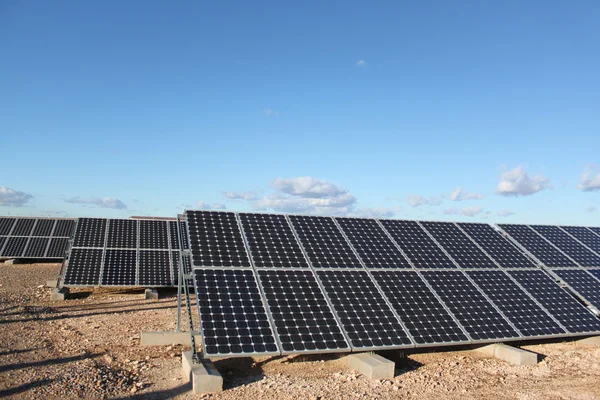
[90, 232]
[122, 233]
[595, 230]
[57, 247]
[233, 319]
[537, 246]
[119, 268]
[595, 272]
[83, 268]
[14, 246]
[505, 253]
[23, 227]
[153, 234]
[184, 237]
[271, 241]
[216, 239]
[303, 320]
[417, 245]
[363, 312]
[43, 227]
[568, 245]
[323, 242]
[372, 244]
[583, 283]
[63, 228]
[173, 235]
[175, 260]
[154, 268]
[2, 241]
[564, 308]
[36, 247]
[474, 312]
[524, 313]
[6, 225]
[423, 314]
[585, 236]
[464, 252]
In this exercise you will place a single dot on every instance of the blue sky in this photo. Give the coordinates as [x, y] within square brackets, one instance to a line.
[477, 110]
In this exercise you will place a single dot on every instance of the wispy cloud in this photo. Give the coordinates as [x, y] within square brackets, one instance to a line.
[375, 212]
[591, 209]
[466, 211]
[202, 205]
[590, 179]
[517, 182]
[104, 202]
[505, 213]
[361, 64]
[459, 194]
[416, 200]
[269, 112]
[13, 198]
[247, 196]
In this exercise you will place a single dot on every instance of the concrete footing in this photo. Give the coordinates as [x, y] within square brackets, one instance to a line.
[151, 294]
[12, 261]
[593, 341]
[371, 365]
[167, 338]
[204, 376]
[52, 283]
[513, 355]
[59, 294]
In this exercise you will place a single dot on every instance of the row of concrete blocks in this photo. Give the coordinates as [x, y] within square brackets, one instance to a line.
[60, 294]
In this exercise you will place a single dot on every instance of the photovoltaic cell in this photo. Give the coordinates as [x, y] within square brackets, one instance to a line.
[90, 232]
[23, 227]
[497, 246]
[119, 267]
[583, 283]
[362, 310]
[323, 242]
[585, 236]
[595, 272]
[84, 267]
[57, 247]
[43, 227]
[571, 314]
[417, 245]
[272, 242]
[216, 239]
[36, 247]
[303, 320]
[153, 234]
[233, 320]
[568, 245]
[6, 225]
[458, 245]
[424, 316]
[173, 235]
[537, 246]
[63, 228]
[524, 313]
[474, 312]
[14, 246]
[372, 244]
[122, 233]
[154, 268]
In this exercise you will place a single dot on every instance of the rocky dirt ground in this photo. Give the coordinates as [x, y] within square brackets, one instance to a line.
[89, 347]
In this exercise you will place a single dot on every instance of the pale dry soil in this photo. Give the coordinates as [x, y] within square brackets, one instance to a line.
[89, 347]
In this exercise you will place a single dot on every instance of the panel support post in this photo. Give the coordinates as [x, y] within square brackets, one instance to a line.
[513, 355]
[204, 376]
[151, 294]
[372, 366]
[59, 294]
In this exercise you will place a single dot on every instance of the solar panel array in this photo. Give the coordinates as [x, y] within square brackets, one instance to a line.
[276, 284]
[34, 237]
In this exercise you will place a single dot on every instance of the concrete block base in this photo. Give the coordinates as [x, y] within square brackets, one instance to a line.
[12, 261]
[167, 338]
[593, 341]
[204, 376]
[513, 355]
[371, 365]
[59, 294]
[52, 283]
[151, 294]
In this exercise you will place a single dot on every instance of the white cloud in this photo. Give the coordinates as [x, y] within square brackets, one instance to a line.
[591, 209]
[305, 186]
[466, 211]
[361, 64]
[269, 112]
[104, 202]
[13, 198]
[202, 205]
[459, 194]
[505, 213]
[517, 182]
[416, 200]
[590, 179]
[376, 212]
[219, 206]
[248, 196]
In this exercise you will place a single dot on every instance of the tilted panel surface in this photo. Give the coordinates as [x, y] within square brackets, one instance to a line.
[417, 245]
[23, 227]
[537, 246]
[57, 247]
[570, 313]
[153, 234]
[497, 246]
[122, 233]
[568, 245]
[36, 247]
[84, 267]
[119, 267]
[525, 314]
[585, 236]
[303, 320]
[458, 245]
[362, 310]
[6, 225]
[216, 239]
[474, 312]
[173, 235]
[43, 227]
[175, 260]
[233, 320]
[154, 268]
[596, 230]
[2, 241]
[422, 313]
[583, 283]
[63, 228]
[372, 244]
[90, 232]
[14, 246]
[323, 242]
[272, 242]
[184, 237]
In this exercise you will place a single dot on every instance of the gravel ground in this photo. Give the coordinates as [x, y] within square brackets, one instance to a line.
[88, 347]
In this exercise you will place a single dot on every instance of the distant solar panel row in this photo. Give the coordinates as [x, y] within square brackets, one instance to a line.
[34, 237]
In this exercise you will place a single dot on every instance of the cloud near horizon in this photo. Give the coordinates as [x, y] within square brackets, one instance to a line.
[13, 198]
[516, 182]
[104, 202]
[590, 179]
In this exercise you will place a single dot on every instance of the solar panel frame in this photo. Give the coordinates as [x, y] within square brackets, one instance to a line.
[44, 225]
[14, 246]
[120, 258]
[56, 245]
[36, 247]
[149, 267]
[568, 245]
[82, 279]
[24, 227]
[64, 228]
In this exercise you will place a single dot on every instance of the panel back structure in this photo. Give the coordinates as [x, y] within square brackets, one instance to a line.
[33, 238]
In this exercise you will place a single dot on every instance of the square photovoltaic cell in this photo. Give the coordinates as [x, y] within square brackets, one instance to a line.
[585, 236]
[63, 228]
[564, 308]
[372, 244]
[14, 246]
[57, 247]
[36, 247]
[272, 242]
[474, 312]
[43, 227]
[537, 246]
[524, 313]
[571, 247]
[6, 225]
[458, 245]
[323, 242]
[497, 246]
[362, 310]
[84, 267]
[23, 227]
[153, 235]
[119, 267]
[417, 245]
[90, 232]
[233, 319]
[154, 268]
[583, 283]
[216, 239]
[422, 313]
[303, 320]
[173, 235]
[122, 233]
